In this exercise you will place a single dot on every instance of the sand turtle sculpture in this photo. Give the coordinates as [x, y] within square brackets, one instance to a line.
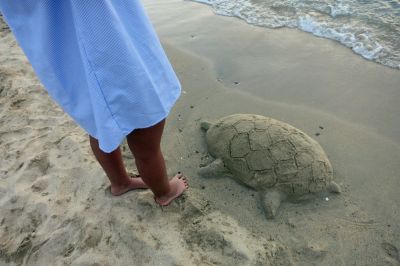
[270, 156]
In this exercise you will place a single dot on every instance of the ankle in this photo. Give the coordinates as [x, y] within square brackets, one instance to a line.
[120, 184]
[165, 193]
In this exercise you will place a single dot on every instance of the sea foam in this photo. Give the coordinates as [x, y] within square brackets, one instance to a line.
[371, 28]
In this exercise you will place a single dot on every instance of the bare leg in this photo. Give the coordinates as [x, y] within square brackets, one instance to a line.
[145, 146]
[114, 167]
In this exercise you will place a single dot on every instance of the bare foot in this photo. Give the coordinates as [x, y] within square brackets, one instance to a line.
[178, 185]
[136, 182]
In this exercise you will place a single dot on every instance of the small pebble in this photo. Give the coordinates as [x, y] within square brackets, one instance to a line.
[236, 82]
[184, 92]
[317, 134]
[327, 199]
[321, 127]
[14, 199]
[191, 106]
[203, 187]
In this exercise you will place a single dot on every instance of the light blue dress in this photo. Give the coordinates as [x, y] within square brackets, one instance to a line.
[100, 60]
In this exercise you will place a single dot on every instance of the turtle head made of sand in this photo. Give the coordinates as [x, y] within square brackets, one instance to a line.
[272, 157]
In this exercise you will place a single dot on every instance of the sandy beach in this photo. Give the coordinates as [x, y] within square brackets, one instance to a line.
[55, 204]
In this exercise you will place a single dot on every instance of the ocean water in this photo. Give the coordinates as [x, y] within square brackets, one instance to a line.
[370, 28]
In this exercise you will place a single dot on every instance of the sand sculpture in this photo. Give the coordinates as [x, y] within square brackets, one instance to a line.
[270, 156]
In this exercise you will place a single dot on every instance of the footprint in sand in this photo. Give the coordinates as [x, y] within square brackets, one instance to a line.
[222, 241]
[40, 184]
[21, 222]
[40, 161]
[211, 241]
[92, 235]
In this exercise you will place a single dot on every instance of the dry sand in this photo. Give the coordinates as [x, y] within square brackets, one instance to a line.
[56, 209]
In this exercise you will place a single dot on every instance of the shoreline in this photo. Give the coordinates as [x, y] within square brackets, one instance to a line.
[300, 68]
[311, 31]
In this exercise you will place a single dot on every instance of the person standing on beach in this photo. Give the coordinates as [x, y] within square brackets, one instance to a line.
[103, 63]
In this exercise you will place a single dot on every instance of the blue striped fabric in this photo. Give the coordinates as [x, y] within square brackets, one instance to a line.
[100, 60]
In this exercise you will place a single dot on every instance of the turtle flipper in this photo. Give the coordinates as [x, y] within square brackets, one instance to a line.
[215, 168]
[334, 187]
[205, 125]
[271, 200]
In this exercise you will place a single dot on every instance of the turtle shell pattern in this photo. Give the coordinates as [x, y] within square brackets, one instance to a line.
[262, 152]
